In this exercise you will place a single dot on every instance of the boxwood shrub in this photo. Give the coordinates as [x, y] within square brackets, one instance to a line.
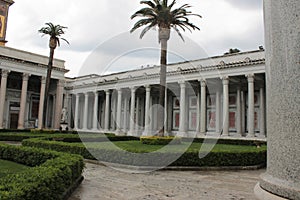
[256, 156]
[51, 175]
[156, 140]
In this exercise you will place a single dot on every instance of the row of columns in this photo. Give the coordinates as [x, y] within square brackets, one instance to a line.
[23, 100]
[201, 111]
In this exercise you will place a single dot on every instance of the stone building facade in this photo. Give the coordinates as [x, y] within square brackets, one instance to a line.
[22, 83]
[218, 95]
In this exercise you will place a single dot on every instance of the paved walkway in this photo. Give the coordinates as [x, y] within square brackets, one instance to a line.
[104, 183]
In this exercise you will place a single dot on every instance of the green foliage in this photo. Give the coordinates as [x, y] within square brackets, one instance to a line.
[51, 176]
[221, 154]
[157, 140]
[8, 167]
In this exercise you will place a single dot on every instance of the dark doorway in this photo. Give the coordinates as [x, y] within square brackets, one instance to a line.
[14, 120]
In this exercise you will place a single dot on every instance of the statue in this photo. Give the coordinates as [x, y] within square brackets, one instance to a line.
[64, 115]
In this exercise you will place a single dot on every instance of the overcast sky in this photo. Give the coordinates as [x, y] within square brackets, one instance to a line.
[99, 38]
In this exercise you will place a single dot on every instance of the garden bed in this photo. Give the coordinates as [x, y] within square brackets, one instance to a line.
[51, 176]
[220, 155]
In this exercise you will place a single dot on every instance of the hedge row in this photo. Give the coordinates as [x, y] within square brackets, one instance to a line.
[189, 158]
[74, 137]
[51, 175]
[157, 140]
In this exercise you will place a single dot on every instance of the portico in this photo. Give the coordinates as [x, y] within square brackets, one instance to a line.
[224, 95]
[22, 88]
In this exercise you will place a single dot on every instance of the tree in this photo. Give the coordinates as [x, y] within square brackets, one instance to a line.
[231, 51]
[159, 13]
[55, 32]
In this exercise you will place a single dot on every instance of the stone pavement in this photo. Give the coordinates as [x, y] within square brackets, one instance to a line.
[106, 183]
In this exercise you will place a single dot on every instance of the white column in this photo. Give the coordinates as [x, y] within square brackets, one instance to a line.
[119, 110]
[198, 112]
[218, 111]
[132, 109]
[58, 103]
[137, 118]
[4, 76]
[147, 111]
[262, 113]
[238, 112]
[41, 103]
[182, 120]
[250, 116]
[76, 116]
[243, 105]
[23, 101]
[85, 111]
[203, 108]
[107, 110]
[95, 117]
[68, 106]
[225, 81]
[125, 114]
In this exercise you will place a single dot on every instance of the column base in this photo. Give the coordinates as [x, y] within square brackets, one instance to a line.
[280, 188]
[262, 194]
[250, 135]
[120, 133]
[181, 134]
[130, 133]
[95, 130]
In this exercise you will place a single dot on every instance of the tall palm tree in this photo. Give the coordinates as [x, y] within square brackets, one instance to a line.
[55, 32]
[159, 13]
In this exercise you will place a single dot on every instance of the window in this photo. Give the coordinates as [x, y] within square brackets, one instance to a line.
[34, 107]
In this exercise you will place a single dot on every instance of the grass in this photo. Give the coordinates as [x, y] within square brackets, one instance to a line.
[137, 146]
[8, 167]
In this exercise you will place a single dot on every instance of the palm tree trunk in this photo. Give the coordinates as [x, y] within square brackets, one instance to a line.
[162, 89]
[47, 86]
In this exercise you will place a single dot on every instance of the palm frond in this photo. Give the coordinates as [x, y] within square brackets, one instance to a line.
[160, 14]
[54, 31]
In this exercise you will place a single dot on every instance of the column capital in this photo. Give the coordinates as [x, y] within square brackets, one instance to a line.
[182, 84]
[86, 94]
[133, 88]
[119, 90]
[225, 80]
[96, 92]
[43, 79]
[5, 73]
[61, 83]
[250, 77]
[148, 88]
[107, 92]
[202, 82]
[26, 76]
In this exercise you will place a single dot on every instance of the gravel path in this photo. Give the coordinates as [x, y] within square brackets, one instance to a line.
[106, 183]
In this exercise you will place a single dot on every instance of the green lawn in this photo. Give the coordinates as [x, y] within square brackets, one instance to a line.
[137, 146]
[8, 167]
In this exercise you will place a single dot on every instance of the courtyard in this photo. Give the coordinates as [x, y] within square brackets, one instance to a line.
[103, 183]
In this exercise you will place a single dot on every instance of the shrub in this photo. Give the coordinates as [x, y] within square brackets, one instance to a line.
[156, 140]
[237, 157]
[53, 173]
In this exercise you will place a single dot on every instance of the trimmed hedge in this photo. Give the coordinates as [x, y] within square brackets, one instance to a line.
[226, 141]
[156, 140]
[50, 177]
[257, 156]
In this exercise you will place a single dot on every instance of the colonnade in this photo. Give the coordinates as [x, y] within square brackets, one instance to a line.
[222, 123]
[23, 100]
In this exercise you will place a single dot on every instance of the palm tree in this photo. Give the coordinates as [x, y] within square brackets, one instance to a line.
[55, 32]
[159, 13]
